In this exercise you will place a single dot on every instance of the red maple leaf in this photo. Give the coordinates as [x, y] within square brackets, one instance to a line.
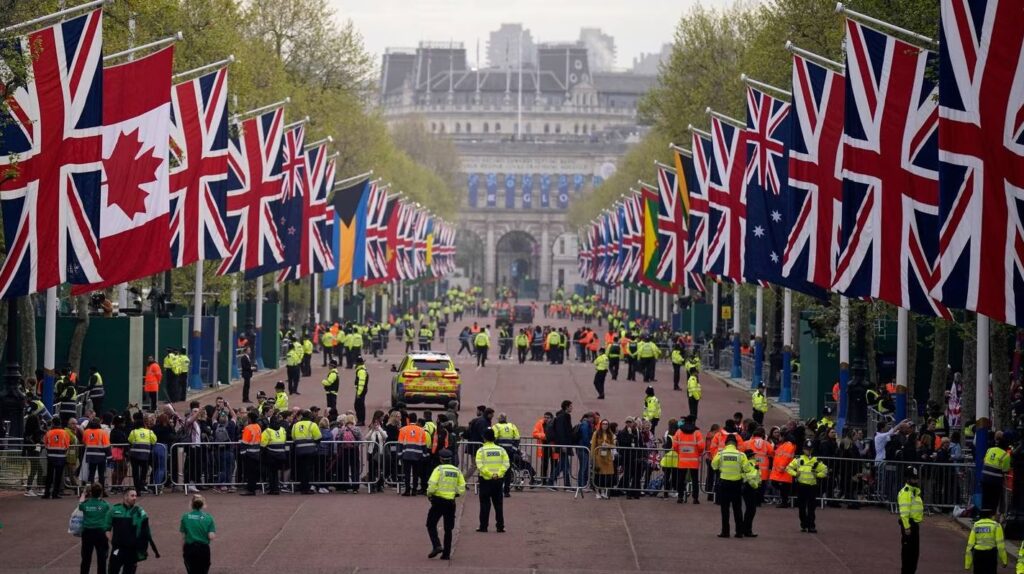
[128, 168]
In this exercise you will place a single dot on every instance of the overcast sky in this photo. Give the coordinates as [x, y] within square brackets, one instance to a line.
[637, 25]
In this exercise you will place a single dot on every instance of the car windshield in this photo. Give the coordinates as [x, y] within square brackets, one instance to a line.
[430, 365]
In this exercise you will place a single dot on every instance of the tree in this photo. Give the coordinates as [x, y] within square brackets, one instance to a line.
[940, 360]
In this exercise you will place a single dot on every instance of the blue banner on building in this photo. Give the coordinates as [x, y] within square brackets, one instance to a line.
[598, 180]
[577, 183]
[545, 191]
[474, 189]
[528, 191]
[492, 190]
[563, 191]
[510, 191]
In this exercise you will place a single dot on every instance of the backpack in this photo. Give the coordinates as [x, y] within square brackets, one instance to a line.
[348, 436]
[220, 434]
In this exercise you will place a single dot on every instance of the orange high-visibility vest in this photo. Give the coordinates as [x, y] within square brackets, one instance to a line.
[96, 438]
[689, 447]
[152, 379]
[784, 454]
[763, 451]
[57, 439]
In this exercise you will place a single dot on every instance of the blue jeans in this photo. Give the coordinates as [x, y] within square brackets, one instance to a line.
[583, 472]
[227, 465]
[563, 467]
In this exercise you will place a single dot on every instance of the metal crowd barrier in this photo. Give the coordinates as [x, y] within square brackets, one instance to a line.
[537, 466]
[638, 470]
[341, 465]
[24, 467]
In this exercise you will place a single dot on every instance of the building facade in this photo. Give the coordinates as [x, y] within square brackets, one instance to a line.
[532, 139]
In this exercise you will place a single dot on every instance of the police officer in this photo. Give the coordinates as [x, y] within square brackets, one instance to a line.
[280, 397]
[307, 356]
[614, 352]
[249, 447]
[97, 392]
[652, 408]
[759, 403]
[331, 384]
[293, 366]
[807, 470]
[677, 365]
[693, 392]
[445, 484]
[751, 494]
[274, 441]
[66, 397]
[141, 441]
[984, 544]
[506, 435]
[426, 336]
[997, 464]
[492, 463]
[327, 340]
[305, 436]
[911, 514]
[362, 384]
[732, 466]
[600, 372]
[482, 341]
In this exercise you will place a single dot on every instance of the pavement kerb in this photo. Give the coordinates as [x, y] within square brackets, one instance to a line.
[207, 391]
[792, 409]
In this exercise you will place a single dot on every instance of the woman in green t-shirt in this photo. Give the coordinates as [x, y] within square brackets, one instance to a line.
[197, 531]
[95, 524]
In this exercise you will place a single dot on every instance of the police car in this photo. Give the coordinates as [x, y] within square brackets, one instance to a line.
[425, 377]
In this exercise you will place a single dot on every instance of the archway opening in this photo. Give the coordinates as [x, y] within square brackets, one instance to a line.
[518, 259]
[469, 257]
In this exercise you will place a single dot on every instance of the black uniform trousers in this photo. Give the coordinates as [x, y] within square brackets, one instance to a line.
[910, 547]
[413, 479]
[758, 417]
[246, 381]
[522, 354]
[94, 539]
[441, 508]
[613, 367]
[599, 377]
[54, 477]
[694, 481]
[481, 356]
[694, 404]
[806, 502]
[986, 561]
[360, 407]
[304, 464]
[332, 401]
[197, 557]
[675, 376]
[252, 471]
[751, 500]
[631, 371]
[307, 368]
[491, 495]
[730, 496]
[123, 560]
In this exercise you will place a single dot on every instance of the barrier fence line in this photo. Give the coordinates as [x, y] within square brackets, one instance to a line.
[353, 465]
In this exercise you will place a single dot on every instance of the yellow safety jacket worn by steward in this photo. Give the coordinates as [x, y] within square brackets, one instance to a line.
[446, 482]
[759, 401]
[652, 408]
[362, 377]
[304, 435]
[601, 363]
[492, 461]
[807, 470]
[677, 357]
[731, 464]
[693, 387]
[506, 434]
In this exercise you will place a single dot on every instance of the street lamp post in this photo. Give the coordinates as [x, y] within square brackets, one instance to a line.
[12, 399]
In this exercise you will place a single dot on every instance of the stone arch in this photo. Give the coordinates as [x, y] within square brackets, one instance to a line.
[470, 253]
[517, 254]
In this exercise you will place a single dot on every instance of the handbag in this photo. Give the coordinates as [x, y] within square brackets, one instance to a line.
[75, 523]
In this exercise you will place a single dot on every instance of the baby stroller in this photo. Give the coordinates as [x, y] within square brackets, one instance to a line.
[522, 471]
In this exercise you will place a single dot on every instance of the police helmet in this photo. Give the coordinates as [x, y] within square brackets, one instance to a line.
[445, 455]
[808, 444]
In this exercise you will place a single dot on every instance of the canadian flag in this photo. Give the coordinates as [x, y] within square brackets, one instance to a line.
[135, 194]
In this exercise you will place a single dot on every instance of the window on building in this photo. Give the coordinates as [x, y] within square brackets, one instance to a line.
[442, 127]
[433, 126]
[561, 278]
[469, 128]
[561, 246]
[458, 127]
[558, 128]
[497, 127]
[593, 128]
[576, 128]
[547, 128]
[529, 128]
[584, 129]
[487, 127]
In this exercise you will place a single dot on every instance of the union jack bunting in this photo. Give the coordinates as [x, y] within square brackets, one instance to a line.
[199, 169]
[671, 231]
[981, 155]
[444, 250]
[700, 216]
[890, 173]
[603, 250]
[376, 236]
[404, 241]
[634, 238]
[424, 225]
[585, 256]
[727, 197]
[815, 173]
[254, 184]
[52, 146]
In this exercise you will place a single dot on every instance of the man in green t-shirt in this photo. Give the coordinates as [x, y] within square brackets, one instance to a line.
[197, 531]
[95, 523]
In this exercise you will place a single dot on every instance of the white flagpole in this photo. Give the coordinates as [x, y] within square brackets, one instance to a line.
[195, 380]
[49, 347]
[233, 328]
[736, 299]
[755, 381]
[844, 362]
[258, 343]
[714, 308]
[902, 340]
[326, 305]
[786, 389]
[981, 388]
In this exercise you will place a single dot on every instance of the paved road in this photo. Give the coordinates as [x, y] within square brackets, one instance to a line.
[548, 531]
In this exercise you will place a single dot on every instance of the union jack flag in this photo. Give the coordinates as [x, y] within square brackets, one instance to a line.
[727, 196]
[633, 231]
[671, 232]
[698, 170]
[890, 173]
[815, 173]
[316, 254]
[199, 169]
[444, 250]
[981, 155]
[585, 256]
[407, 217]
[376, 236]
[255, 183]
[51, 153]
[424, 225]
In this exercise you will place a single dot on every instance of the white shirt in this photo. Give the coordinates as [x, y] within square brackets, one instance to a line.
[882, 439]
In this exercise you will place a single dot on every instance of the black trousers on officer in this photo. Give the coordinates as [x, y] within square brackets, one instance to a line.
[197, 557]
[332, 401]
[307, 367]
[694, 404]
[522, 354]
[293, 372]
[304, 464]
[413, 480]
[613, 367]
[140, 468]
[631, 362]
[441, 508]
[694, 482]
[758, 417]
[599, 377]
[910, 547]
[675, 376]
[481, 356]
[274, 466]
[360, 407]
[751, 500]
[730, 496]
[647, 366]
[991, 491]
[326, 353]
[985, 561]
[491, 494]
[806, 502]
[251, 464]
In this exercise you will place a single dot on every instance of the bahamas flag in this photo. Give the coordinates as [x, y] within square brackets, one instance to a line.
[349, 235]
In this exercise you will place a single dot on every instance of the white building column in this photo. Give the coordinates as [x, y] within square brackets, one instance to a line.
[546, 289]
[490, 260]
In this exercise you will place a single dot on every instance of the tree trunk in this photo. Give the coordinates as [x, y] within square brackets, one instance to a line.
[967, 402]
[78, 336]
[27, 336]
[999, 353]
[940, 361]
